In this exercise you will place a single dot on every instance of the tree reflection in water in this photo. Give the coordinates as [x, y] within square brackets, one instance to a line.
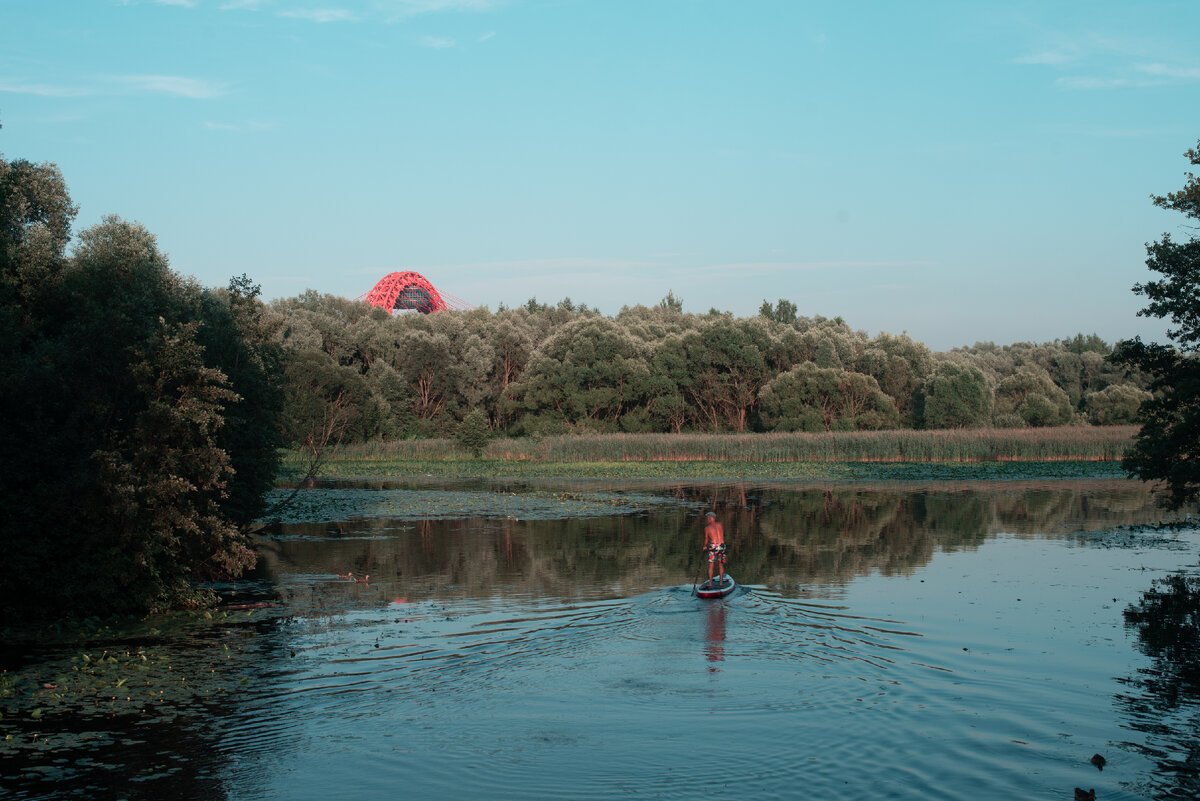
[783, 537]
[1166, 706]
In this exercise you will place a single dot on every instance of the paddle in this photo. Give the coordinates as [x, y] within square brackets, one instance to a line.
[697, 578]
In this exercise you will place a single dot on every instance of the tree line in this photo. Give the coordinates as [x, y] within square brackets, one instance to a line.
[542, 369]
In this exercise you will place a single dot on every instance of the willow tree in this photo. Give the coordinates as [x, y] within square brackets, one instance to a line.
[1031, 398]
[588, 375]
[955, 396]
[812, 398]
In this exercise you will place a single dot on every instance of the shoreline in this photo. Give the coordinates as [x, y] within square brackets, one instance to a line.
[886, 471]
[982, 453]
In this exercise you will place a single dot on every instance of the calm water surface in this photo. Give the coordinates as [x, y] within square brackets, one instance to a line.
[523, 641]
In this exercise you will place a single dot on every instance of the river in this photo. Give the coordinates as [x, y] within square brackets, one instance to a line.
[525, 639]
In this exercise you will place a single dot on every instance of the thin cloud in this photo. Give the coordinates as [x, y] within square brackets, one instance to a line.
[177, 86]
[248, 127]
[194, 88]
[1107, 62]
[436, 42]
[397, 10]
[776, 267]
[486, 36]
[1091, 82]
[390, 10]
[1169, 71]
[1147, 74]
[1048, 57]
[536, 268]
[321, 15]
[1120, 133]
[20, 87]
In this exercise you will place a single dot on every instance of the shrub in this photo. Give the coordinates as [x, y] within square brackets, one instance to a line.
[473, 433]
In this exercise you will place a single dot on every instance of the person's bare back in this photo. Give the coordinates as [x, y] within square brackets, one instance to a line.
[714, 545]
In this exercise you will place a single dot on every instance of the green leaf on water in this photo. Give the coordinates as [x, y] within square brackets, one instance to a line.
[36, 714]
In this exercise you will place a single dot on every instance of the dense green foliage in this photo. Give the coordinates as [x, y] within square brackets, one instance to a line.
[956, 396]
[1168, 446]
[541, 370]
[131, 399]
[473, 433]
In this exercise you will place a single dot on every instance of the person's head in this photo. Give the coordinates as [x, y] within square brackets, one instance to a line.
[711, 516]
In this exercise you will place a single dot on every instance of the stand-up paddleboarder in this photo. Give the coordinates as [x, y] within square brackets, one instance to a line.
[714, 546]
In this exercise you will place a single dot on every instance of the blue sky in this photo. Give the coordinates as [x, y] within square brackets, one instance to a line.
[960, 171]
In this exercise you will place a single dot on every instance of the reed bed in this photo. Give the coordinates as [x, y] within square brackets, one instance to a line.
[1096, 443]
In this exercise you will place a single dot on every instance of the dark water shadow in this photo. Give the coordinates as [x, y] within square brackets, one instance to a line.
[1163, 702]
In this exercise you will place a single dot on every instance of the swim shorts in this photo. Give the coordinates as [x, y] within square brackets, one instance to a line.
[716, 553]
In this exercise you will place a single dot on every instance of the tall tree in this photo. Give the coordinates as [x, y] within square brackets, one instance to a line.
[240, 337]
[955, 396]
[123, 431]
[728, 363]
[784, 311]
[1032, 397]
[129, 506]
[900, 365]
[587, 375]
[812, 398]
[1167, 448]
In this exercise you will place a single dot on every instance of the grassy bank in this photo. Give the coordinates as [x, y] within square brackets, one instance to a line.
[742, 455]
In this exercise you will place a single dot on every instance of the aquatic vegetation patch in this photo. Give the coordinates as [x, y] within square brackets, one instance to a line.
[84, 685]
[321, 504]
[1170, 536]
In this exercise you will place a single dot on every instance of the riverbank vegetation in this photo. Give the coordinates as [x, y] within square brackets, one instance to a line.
[961, 445]
[541, 370]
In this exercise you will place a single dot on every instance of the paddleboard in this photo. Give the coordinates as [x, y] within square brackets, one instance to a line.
[712, 589]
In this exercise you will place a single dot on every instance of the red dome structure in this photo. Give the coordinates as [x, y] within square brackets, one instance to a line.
[409, 290]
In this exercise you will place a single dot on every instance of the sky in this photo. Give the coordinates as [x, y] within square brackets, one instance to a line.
[960, 172]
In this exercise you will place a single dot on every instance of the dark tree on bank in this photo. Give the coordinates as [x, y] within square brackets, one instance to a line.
[127, 436]
[1168, 446]
[240, 337]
